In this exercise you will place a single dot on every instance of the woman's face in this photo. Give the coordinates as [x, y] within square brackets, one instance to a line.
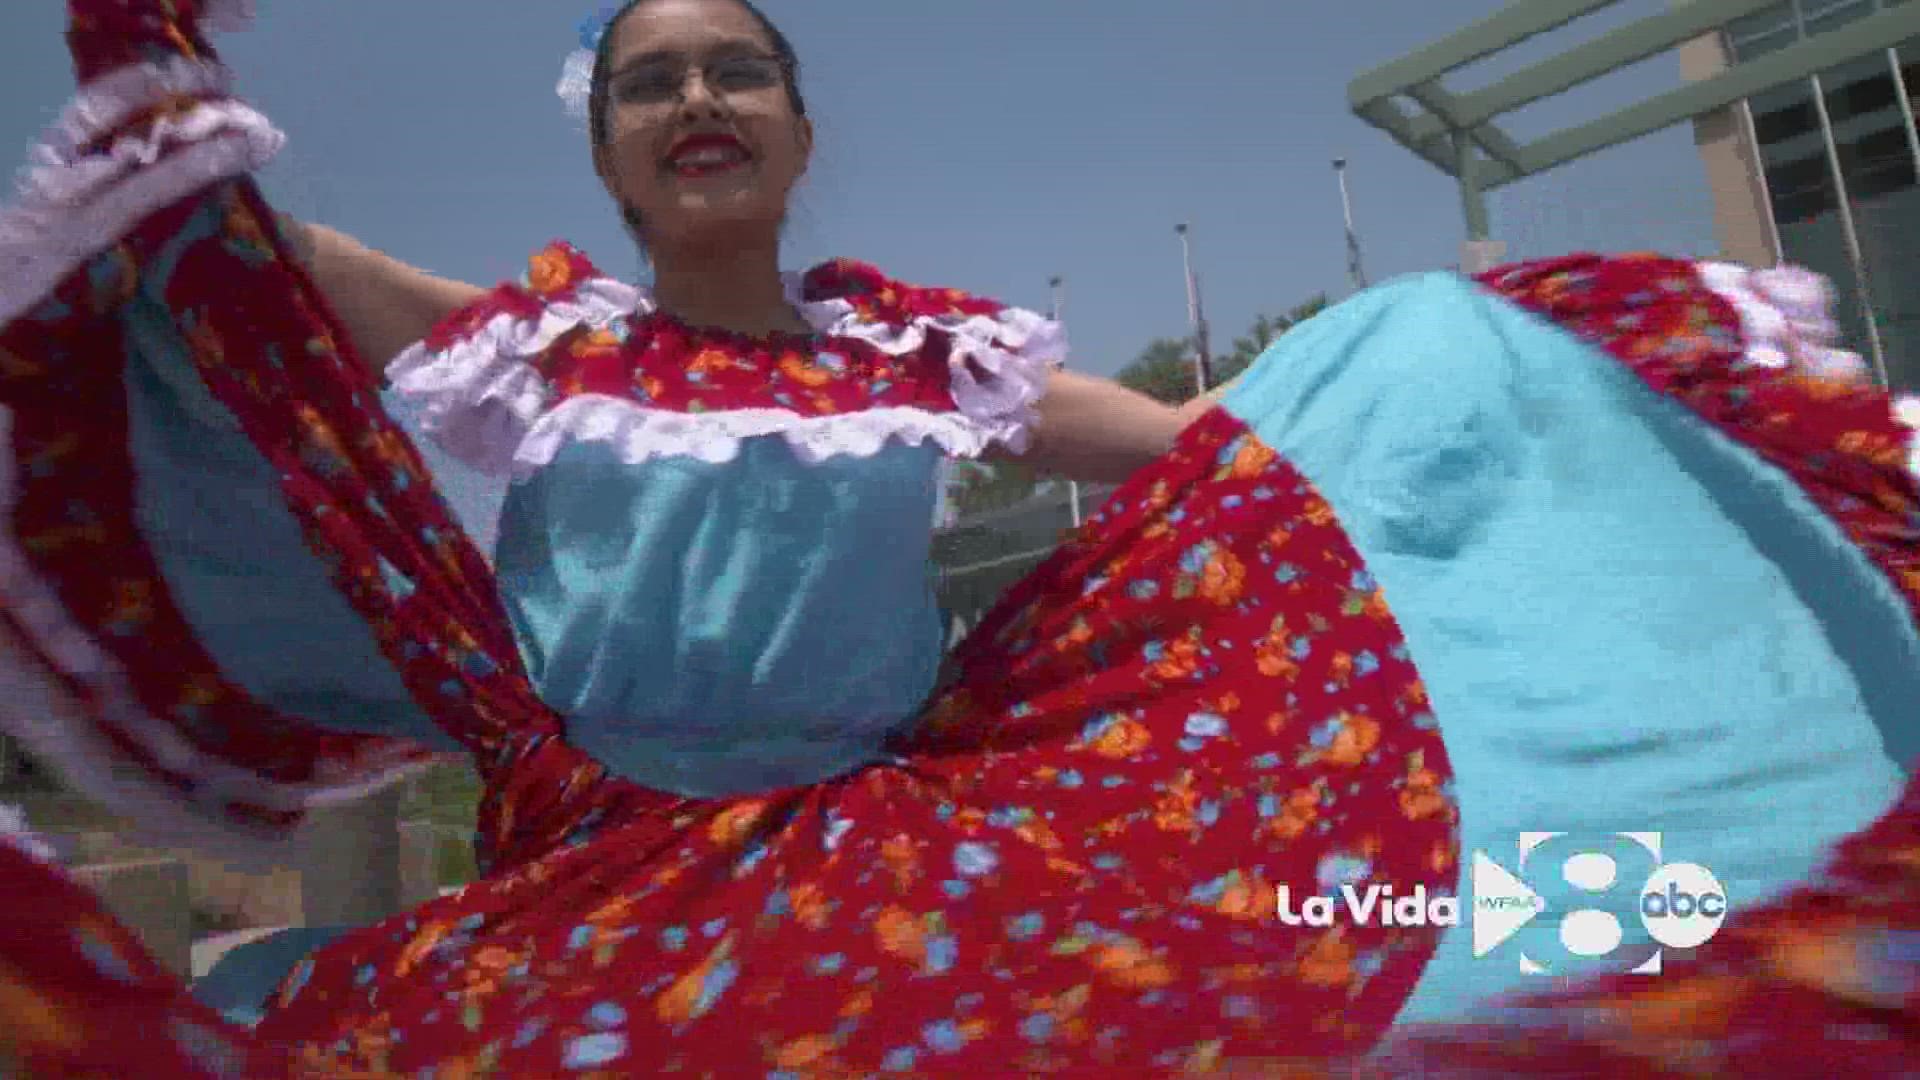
[700, 132]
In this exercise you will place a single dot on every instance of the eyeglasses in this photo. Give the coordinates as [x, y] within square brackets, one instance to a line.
[652, 82]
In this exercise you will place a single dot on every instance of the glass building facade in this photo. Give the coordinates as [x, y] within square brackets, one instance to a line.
[1841, 156]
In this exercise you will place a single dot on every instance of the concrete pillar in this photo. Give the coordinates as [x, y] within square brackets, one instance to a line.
[151, 897]
[350, 867]
[1480, 256]
[420, 861]
[1742, 215]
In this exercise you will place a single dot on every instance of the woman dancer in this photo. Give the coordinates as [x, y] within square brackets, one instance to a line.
[721, 833]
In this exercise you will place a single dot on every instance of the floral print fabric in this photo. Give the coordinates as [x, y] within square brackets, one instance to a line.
[1068, 867]
[1824, 981]
[1201, 697]
[569, 355]
[1071, 860]
[1838, 437]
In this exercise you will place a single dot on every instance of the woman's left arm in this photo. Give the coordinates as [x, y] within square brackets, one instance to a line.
[1095, 429]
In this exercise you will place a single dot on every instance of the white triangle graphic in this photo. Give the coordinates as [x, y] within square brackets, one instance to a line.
[1502, 904]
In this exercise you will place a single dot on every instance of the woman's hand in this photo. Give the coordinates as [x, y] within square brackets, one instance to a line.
[383, 304]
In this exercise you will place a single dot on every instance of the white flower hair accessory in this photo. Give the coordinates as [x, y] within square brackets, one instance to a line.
[576, 77]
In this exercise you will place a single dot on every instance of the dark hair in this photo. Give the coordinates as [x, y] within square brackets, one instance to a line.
[599, 89]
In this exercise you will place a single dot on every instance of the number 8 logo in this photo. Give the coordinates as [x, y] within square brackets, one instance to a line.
[1592, 886]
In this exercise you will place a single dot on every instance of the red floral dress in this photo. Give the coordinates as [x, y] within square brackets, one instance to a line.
[1068, 866]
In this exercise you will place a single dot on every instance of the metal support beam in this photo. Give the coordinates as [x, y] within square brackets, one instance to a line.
[1905, 96]
[1434, 137]
[1796, 62]
[1386, 116]
[1473, 198]
[1506, 28]
[1446, 111]
[1849, 232]
[1457, 128]
[1642, 40]
[1777, 248]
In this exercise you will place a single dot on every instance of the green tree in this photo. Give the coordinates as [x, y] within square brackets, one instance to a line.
[1163, 371]
[1264, 332]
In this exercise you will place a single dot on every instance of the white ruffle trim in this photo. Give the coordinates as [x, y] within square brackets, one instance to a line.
[480, 397]
[638, 433]
[72, 206]
[37, 708]
[111, 100]
[483, 400]
[1786, 316]
[1906, 409]
[999, 365]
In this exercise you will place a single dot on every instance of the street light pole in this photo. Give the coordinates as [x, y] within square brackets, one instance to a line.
[1355, 272]
[1202, 355]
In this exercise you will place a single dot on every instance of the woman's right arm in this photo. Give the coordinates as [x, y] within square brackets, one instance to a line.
[383, 304]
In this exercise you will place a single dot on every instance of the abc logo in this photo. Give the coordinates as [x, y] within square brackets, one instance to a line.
[1682, 905]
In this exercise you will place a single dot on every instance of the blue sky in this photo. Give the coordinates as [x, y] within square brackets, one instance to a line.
[986, 145]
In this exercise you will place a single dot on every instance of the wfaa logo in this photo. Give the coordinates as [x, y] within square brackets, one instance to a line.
[1595, 902]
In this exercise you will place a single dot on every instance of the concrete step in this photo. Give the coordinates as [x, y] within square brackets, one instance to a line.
[208, 950]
